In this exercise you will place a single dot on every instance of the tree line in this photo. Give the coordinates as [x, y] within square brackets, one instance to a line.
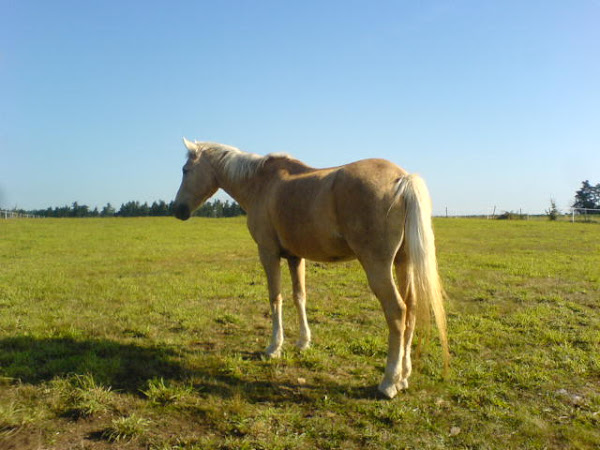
[586, 198]
[215, 208]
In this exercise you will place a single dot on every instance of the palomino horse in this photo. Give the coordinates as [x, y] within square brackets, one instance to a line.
[371, 210]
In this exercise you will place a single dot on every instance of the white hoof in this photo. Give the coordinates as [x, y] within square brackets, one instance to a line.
[271, 352]
[388, 389]
[402, 385]
[302, 344]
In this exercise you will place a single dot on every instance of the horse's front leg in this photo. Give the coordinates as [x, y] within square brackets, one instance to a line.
[297, 272]
[271, 263]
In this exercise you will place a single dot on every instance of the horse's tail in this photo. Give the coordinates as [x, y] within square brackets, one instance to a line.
[419, 257]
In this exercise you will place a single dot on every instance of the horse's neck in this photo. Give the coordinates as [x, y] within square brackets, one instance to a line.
[241, 185]
[245, 175]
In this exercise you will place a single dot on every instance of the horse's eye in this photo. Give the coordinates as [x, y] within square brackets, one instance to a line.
[185, 171]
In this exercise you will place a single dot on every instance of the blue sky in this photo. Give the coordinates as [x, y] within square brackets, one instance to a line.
[494, 103]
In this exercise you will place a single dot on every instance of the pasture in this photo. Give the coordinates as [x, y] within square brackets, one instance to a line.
[147, 333]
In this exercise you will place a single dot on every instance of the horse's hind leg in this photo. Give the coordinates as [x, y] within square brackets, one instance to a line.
[272, 265]
[403, 275]
[383, 286]
[297, 272]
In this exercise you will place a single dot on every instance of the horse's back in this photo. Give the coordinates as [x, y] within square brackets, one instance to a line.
[328, 214]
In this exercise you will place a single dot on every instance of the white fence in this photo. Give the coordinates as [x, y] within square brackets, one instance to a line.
[584, 212]
[571, 214]
[491, 213]
[15, 215]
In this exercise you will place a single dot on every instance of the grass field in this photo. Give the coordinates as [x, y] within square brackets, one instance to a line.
[146, 333]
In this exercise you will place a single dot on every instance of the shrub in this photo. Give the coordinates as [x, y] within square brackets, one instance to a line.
[553, 212]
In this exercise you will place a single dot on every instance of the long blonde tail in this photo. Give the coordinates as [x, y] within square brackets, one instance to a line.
[419, 248]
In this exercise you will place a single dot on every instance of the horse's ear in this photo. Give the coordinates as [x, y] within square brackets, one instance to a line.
[191, 146]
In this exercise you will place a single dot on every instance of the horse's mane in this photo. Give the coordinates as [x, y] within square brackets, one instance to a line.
[236, 164]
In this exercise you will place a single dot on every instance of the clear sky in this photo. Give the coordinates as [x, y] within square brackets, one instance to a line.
[495, 103]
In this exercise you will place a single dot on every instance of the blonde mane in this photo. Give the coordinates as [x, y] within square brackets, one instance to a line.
[235, 164]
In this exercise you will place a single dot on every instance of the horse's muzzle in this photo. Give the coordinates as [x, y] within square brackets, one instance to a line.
[182, 212]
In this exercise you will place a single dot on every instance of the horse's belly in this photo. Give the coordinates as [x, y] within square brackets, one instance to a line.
[316, 246]
[305, 220]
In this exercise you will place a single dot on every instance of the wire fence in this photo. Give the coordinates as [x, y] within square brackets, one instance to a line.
[5, 214]
[491, 213]
[587, 214]
[571, 215]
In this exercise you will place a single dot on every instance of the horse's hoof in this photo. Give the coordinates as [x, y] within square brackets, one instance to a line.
[388, 390]
[402, 385]
[302, 344]
[273, 353]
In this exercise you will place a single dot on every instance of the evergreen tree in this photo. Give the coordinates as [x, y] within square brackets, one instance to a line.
[159, 208]
[588, 197]
[107, 211]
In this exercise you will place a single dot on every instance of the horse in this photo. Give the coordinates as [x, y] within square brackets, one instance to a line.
[371, 210]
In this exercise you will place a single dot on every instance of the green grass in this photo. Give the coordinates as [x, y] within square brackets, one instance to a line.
[146, 333]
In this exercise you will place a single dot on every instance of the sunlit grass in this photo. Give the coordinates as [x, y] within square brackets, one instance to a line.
[148, 332]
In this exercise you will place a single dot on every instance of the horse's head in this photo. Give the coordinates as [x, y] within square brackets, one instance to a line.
[198, 183]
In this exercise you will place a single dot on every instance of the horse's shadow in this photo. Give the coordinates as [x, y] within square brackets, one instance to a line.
[127, 367]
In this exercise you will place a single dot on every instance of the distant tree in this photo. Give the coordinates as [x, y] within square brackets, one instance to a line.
[159, 208]
[217, 208]
[588, 197]
[232, 209]
[107, 211]
[64, 211]
[553, 212]
[143, 210]
[206, 210]
[129, 209]
[79, 210]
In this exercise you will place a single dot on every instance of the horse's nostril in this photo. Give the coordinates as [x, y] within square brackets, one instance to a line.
[182, 212]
